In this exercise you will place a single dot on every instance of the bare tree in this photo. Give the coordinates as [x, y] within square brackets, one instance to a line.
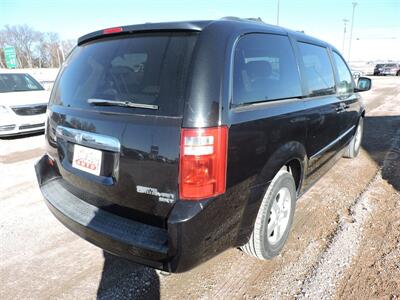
[34, 48]
[52, 43]
[41, 51]
[2, 44]
[22, 37]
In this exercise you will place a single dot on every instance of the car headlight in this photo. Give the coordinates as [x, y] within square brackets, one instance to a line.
[4, 110]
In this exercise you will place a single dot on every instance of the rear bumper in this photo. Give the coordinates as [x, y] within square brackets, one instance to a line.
[136, 241]
[195, 231]
[133, 240]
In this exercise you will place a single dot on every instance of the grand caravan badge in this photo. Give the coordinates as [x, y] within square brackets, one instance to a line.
[162, 197]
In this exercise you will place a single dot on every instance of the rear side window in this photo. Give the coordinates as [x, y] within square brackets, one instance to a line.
[345, 84]
[141, 68]
[318, 69]
[265, 69]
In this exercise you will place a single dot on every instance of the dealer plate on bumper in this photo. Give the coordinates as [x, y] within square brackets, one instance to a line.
[87, 159]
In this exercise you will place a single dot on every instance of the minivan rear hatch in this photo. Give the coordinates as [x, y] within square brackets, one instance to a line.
[115, 118]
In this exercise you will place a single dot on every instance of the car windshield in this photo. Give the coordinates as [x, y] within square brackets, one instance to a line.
[390, 65]
[18, 83]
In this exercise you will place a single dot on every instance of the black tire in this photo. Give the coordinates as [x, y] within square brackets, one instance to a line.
[259, 244]
[354, 146]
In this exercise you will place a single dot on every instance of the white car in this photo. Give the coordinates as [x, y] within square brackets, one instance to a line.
[23, 103]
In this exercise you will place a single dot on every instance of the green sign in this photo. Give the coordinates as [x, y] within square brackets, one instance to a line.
[11, 57]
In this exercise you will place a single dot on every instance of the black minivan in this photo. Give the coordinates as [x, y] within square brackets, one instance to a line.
[169, 143]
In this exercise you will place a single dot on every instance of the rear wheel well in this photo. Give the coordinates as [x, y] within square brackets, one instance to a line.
[294, 167]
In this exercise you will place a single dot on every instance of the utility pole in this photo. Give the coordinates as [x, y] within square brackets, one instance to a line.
[277, 13]
[351, 29]
[344, 32]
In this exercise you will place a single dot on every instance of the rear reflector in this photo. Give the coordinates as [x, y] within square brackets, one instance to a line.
[51, 161]
[202, 169]
[112, 30]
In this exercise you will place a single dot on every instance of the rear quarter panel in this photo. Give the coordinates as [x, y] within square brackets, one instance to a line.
[262, 138]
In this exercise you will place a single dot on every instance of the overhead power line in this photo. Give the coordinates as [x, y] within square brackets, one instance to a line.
[351, 30]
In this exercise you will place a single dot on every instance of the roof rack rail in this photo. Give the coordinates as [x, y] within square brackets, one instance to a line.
[258, 19]
[231, 18]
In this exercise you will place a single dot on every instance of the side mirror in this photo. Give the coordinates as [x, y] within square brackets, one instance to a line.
[363, 84]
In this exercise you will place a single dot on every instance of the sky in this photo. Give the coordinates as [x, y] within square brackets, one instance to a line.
[376, 33]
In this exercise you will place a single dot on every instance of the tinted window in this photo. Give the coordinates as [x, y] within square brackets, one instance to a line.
[345, 84]
[18, 83]
[318, 69]
[264, 69]
[142, 68]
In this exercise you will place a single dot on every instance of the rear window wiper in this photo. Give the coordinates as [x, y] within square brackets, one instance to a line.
[105, 102]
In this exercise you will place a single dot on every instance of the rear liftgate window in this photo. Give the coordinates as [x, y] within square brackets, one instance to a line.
[142, 68]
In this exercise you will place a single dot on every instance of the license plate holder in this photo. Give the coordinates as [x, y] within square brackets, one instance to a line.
[87, 159]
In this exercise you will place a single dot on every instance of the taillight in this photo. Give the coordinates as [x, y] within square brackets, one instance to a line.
[203, 156]
[112, 30]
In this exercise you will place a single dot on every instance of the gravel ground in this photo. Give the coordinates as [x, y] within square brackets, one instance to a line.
[345, 241]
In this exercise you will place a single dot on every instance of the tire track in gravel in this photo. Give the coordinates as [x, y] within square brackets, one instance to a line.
[320, 283]
[375, 271]
[21, 156]
[336, 259]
